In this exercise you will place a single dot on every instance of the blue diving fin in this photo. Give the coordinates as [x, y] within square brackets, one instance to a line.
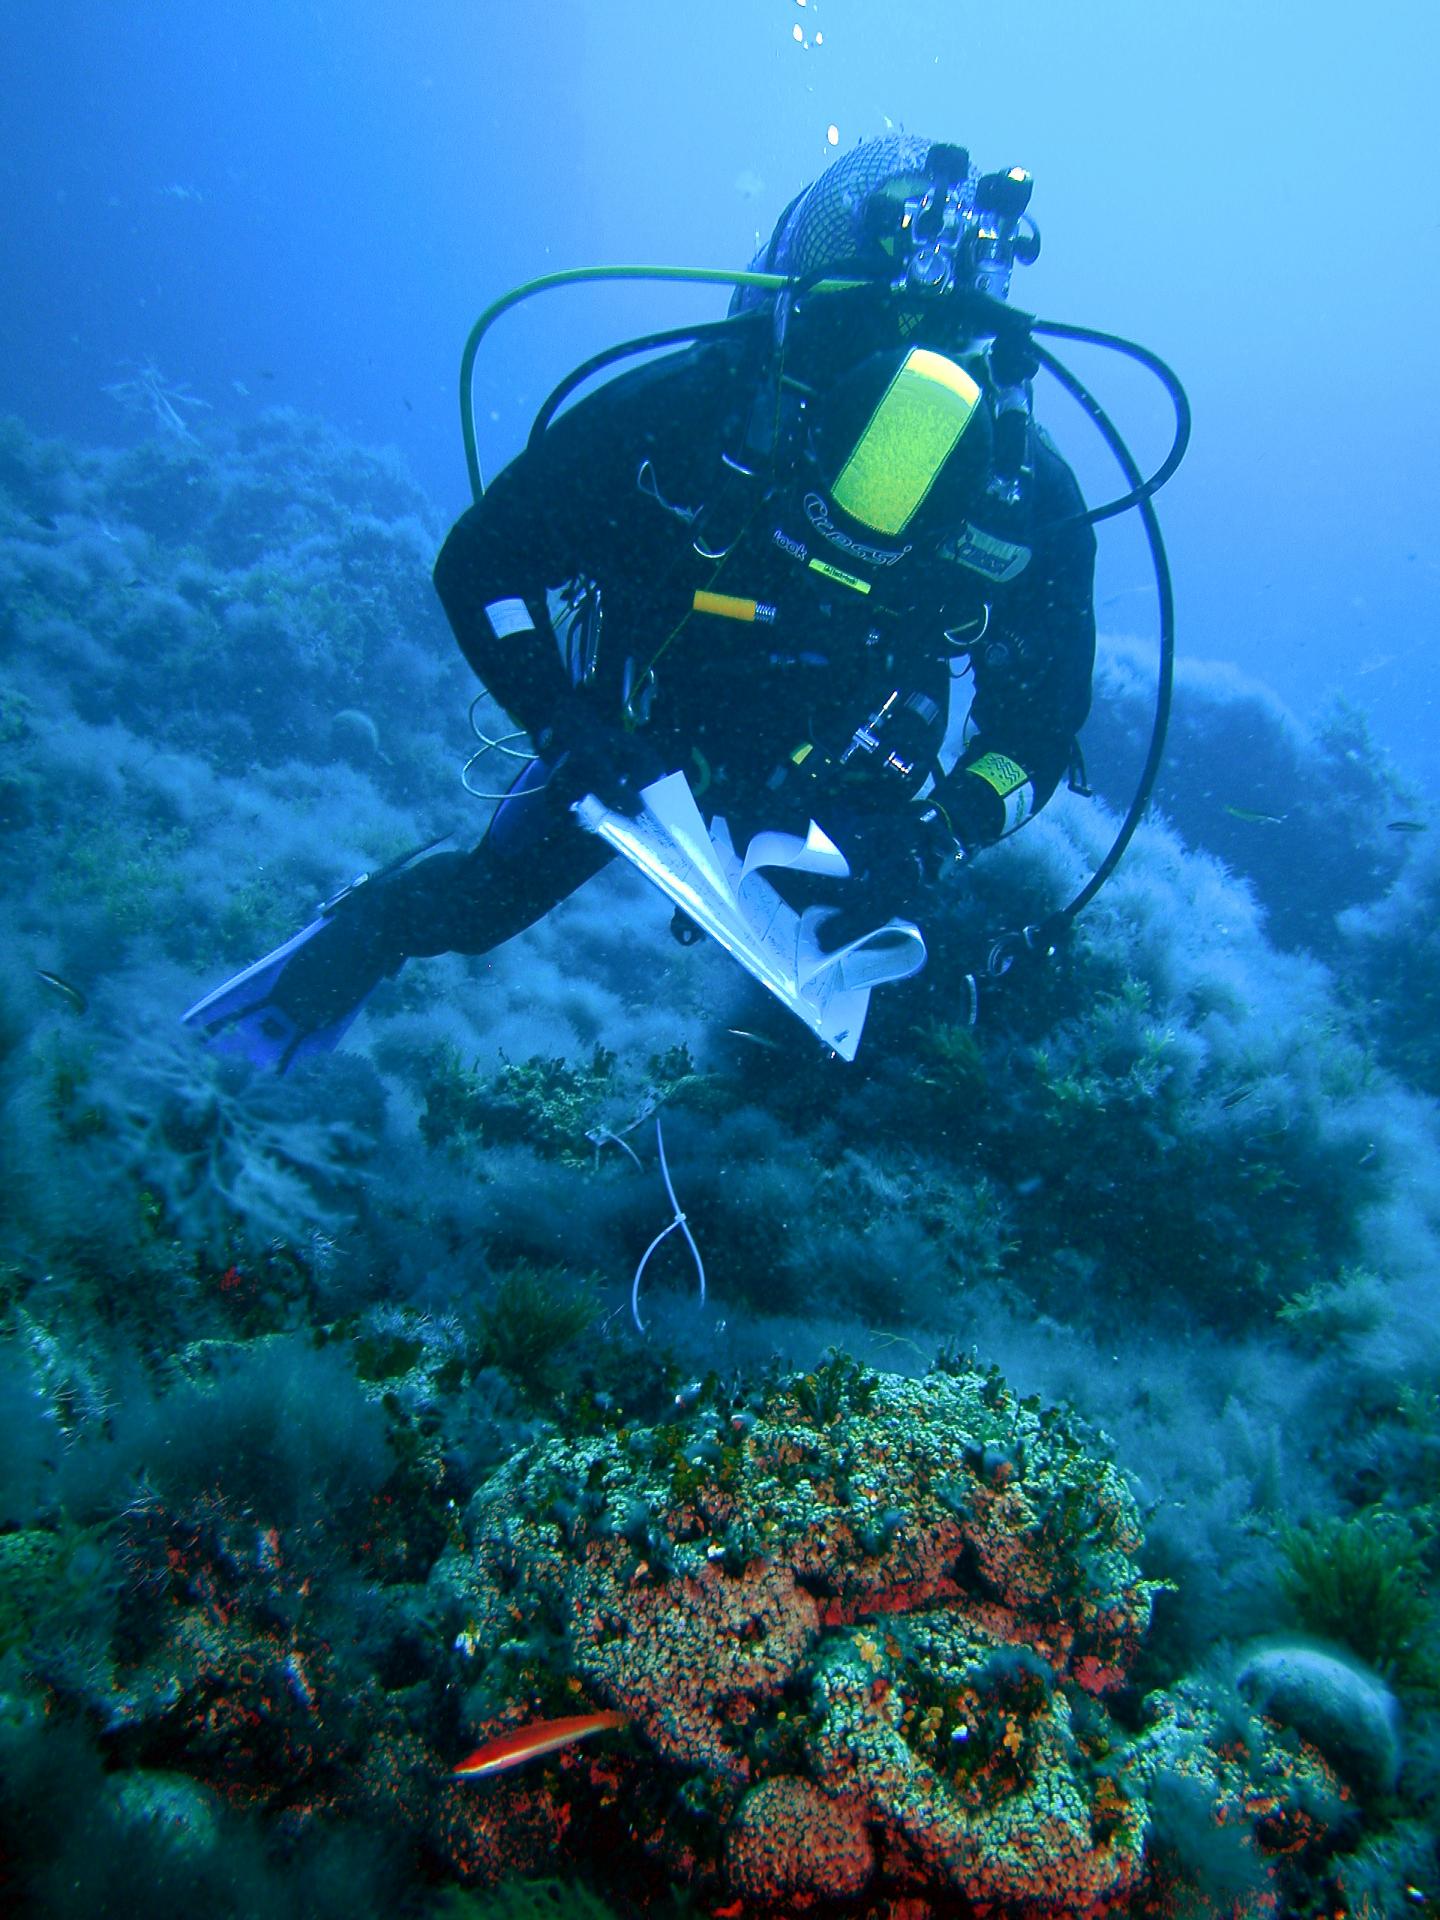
[247, 1015]
[241, 1017]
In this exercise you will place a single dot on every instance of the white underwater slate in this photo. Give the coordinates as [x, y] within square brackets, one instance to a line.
[696, 866]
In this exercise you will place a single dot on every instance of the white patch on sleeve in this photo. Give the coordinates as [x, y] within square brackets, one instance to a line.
[1019, 805]
[507, 617]
[959, 728]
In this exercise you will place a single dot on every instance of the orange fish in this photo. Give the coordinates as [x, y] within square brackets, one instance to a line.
[513, 1749]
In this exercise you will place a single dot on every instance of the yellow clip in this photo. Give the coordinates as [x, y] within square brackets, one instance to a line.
[729, 606]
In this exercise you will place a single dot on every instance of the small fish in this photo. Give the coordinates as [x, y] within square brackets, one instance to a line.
[353, 727]
[1234, 1099]
[756, 1039]
[63, 987]
[513, 1749]
[1254, 819]
[1405, 826]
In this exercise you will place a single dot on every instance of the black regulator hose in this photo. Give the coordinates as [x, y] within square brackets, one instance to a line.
[627, 349]
[1044, 936]
[1018, 323]
[1140, 489]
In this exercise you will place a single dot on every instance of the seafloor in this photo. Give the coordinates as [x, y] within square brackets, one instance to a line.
[1038, 1517]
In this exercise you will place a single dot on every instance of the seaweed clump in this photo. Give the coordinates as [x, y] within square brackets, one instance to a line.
[530, 1326]
[1362, 1582]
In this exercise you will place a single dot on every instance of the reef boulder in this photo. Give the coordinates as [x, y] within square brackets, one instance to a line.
[863, 1628]
[1332, 1701]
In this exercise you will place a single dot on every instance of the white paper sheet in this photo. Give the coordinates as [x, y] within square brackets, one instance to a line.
[696, 866]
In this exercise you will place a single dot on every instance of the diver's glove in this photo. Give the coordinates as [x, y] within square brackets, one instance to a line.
[894, 857]
[592, 753]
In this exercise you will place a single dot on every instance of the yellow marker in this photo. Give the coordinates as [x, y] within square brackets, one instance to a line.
[845, 579]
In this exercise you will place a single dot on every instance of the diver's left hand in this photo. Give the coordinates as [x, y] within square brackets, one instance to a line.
[895, 854]
[893, 858]
[594, 754]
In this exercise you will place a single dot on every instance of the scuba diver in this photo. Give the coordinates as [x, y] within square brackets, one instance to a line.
[822, 560]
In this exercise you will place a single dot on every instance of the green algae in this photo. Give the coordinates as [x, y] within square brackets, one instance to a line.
[1362, 1582]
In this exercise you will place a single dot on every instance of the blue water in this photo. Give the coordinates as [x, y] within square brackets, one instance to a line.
[315, 201]
[266, 1347]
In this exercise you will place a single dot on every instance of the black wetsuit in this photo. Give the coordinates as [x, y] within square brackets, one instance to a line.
[759, 713]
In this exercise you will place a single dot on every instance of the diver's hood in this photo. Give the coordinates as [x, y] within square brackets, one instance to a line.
[829, 227]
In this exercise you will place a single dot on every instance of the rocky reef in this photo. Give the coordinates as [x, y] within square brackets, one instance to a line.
[329, 1452]
[871, 1644]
